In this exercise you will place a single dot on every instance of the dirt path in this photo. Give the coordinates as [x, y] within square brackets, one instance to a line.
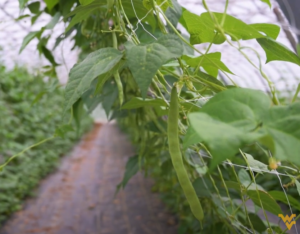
[79, 197]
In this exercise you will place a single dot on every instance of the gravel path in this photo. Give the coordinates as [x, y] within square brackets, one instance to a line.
[79, 197]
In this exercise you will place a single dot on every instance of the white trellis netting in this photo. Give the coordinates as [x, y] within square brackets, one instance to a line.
[12, 33]
[11, 36]
[286, 76]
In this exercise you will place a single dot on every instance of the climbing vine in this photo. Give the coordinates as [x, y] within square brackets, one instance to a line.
[224, 138]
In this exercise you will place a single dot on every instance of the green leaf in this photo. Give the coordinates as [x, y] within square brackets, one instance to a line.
[210, 81]
[281, 126]
[271, 30]
[48, 55]
[210, 62]
[233, 185]
[164, 5]
[53, 21]
[174, 13]
[137, 102]
[83, 12]
[200, 28]
[203, 28]
[110, 94]
[28, 38]
[280, 196]
[268, 2]
[139, 10]
[276, 51]
[244, 177]
[22, 17]
[82, 74]
[223, 120]
[78, 112]
[51, 3]
[91, 100]
[132, 167]
[256, 165]
[34, 7]
[22, 3]
[236, 117]
[38, 97]
[86, 2]
[222, 139]
[144, 60]
[34, 18]
[257, 223]
[267, 201]
[63, 129]
[191, 138]
[110, 4]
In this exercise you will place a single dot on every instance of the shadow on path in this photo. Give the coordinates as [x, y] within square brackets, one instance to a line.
[79, 197]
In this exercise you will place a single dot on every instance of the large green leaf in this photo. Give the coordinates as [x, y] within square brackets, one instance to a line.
[264, 200]
[202, 28]
[82, 74]
[236, 117]
[276, 51]
[257, 223]
[145, 60]
[280, 196]
[136, 102]
[210, 62]
[282, 133]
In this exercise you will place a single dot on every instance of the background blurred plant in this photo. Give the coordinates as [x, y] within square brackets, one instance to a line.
[24, 122]
[230, 137]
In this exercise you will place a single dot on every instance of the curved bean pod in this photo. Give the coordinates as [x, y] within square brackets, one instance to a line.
[176, 157]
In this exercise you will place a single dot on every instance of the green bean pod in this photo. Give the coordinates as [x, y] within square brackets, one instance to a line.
[176, 157]
[120, 87]
[116, 73]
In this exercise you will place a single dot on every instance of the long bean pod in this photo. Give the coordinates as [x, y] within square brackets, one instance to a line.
[176, 157]
[116, 73]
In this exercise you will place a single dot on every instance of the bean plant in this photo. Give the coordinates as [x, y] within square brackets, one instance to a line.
[209, 144]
